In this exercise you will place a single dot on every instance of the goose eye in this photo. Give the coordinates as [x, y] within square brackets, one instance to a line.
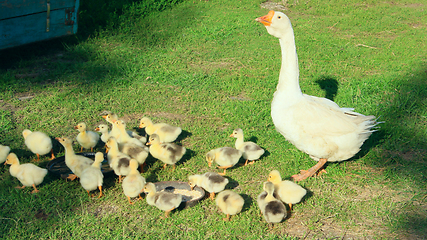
[279, 17]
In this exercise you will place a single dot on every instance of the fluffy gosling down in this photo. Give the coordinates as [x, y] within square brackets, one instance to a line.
[166, 132]
[38, 143]
[4, 151]
[229, 203]
[251, 151]
[133, 184]
[28, 174]
[118, 161]
[86, 139]
[92, 177]
[168, 153]
[273, 209]
[76, 163]
[225, 157]
[212, 182]
[164, 201]
[288, 191]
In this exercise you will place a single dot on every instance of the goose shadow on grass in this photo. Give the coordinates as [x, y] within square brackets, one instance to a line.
[402, 134]
[330, 85]
[404, 145]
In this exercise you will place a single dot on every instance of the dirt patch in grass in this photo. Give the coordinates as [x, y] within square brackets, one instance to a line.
[41, 215]
[348, 212]
[277, 6]
[208, 67]
[163, 115]
[103, 210]
[5, 106]
[409, 156]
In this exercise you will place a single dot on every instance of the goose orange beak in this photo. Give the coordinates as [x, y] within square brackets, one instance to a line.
[97, 129]
[266, 20]
[104, 116]
[76, 127]
[231, 135]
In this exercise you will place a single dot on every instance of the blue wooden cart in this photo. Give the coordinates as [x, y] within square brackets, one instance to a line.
[27, 21]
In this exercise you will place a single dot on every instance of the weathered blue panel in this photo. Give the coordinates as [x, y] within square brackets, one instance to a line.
[17, 8]
[26, 21]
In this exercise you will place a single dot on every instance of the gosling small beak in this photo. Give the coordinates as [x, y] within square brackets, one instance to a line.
[104, 116]
[97, 129]
[231, 135]
[76, 127]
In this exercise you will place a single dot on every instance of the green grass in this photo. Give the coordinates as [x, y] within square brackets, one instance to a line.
[208, 67]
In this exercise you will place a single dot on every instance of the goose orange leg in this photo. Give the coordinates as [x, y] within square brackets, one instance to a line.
[71, 177]
[212, 196]
[100, 191]
[227, 218]
[167, 212]
[310, 172]
[52, 156]
[35, 189]
[225, 169]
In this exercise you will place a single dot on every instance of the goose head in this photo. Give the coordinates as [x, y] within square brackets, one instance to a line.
[81, 127]
[102, 128]
[274, 177]
[64, 141]
[154, 139]
[145, 122]
[11, 159]
[26, 132]
[238, 132]
[277, 23]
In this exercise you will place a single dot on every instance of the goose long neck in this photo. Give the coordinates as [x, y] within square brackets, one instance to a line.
[114, 149]
[151, 198]
[239, 142]
[69, 151]
[289, 71]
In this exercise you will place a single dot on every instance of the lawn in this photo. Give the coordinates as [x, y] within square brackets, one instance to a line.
[209, 67]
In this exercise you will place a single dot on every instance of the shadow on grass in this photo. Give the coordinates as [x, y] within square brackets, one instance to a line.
[329, 85]
[403, 150]
[399, 146]
[113, 17]
[248, 202]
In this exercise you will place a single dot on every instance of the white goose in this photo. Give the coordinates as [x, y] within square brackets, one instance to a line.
[316, 126]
